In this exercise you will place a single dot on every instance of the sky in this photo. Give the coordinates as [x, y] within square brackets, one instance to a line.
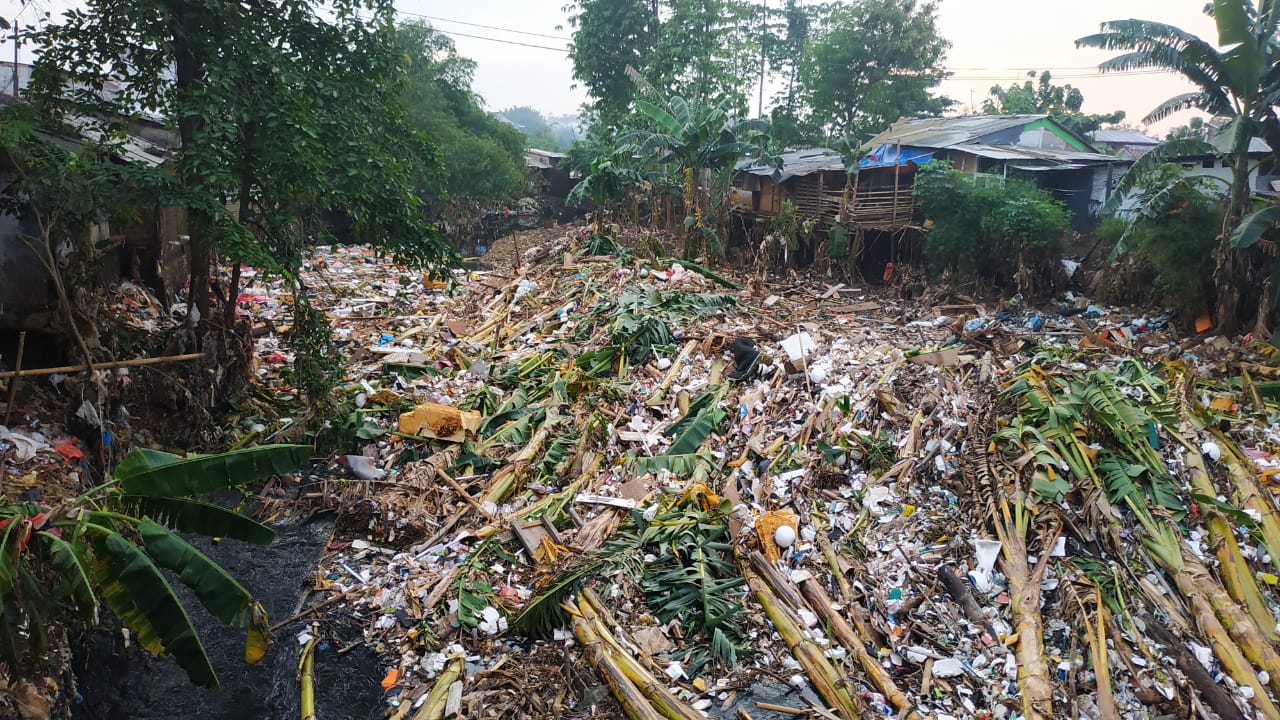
[993, 42]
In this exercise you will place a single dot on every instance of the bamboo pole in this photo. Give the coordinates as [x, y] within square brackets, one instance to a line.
[661, 392]
[662, 699]
[635, 689]
[829, 683]
[506, 477]
[821, 603]
[307, 677]
[433, 707]
[137, 362]
[1236, 575]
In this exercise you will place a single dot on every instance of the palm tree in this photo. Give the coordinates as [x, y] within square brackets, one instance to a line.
[1239, 81]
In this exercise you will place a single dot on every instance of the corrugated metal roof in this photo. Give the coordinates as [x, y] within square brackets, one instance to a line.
[1053, 155]
[796, 164]
[948, 132]
[1121, 136]
[1222, 143]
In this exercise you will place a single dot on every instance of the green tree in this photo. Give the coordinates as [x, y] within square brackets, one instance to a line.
[871, 62]
[537, 130]
[1061, 102]
[705, 52]
[272, 102]
[1196, 129]
[483, 156]
[786, 39]
[1003, 231]
[1238, 82]
[608, 37]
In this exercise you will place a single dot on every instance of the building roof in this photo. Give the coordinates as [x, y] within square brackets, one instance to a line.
[1052, 155]
[949, 132]
[795, 164]
[1120, 136]
[543, 159]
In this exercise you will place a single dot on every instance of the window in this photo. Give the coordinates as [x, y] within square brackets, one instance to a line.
[1207, 163]
[1188, 166]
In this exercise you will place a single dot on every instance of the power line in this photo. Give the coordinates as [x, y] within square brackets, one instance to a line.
[504, 42]
[479, 25]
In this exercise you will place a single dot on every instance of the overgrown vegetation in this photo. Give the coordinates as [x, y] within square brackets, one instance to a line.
[110, 544]
[687, 575]
[1001, 231]
[1173, 224]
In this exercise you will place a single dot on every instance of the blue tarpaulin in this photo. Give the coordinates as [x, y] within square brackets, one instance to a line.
[893, 156]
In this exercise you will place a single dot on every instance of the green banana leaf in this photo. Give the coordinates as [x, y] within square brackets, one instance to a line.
[694, 433]
[225, 598]
[72, 569]
[196, 516]
[144, 601]
[160, 474]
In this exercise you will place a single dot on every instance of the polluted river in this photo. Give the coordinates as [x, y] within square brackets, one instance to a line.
[585, 485]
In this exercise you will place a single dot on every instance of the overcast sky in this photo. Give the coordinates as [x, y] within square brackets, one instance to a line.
[993, 41]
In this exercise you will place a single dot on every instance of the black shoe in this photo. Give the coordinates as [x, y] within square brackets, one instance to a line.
[746, 358]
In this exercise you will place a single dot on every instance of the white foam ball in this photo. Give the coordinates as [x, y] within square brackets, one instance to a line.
[784, 536]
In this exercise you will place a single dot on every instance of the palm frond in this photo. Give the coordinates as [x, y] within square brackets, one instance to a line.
[1254, 226]
[161, 474]
[74, 571]
[1161, 154]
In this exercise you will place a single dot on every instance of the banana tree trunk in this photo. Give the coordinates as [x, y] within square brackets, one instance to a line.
[1231, 273]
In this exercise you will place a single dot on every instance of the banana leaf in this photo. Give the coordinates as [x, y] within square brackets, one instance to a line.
[74, 573]
[202, 518]
[225, 598]
[144, 601]
[160, 474]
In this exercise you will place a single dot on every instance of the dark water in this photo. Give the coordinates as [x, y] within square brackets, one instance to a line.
[119, 683]
[123, 684]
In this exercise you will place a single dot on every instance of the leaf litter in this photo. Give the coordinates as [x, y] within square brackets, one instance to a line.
[669, 489]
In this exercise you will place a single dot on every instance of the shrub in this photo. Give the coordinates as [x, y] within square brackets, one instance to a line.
[998, 230]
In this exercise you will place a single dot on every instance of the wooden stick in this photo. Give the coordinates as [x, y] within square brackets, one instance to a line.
[465, 495]
[13, 383]
[780, 708]
[102, 366]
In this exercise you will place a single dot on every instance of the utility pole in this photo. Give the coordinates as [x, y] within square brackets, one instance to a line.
[15, 60]
[764, 31]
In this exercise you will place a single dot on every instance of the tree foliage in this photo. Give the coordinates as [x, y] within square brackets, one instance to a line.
[1061, 102]
[483, 156]
[871, 62]
[272, 103]
[1238, 80]
[998, 230]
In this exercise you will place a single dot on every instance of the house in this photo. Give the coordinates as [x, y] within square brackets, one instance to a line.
[547, 164]
[1131, 144]
[150, 248]
[1032, 147]
[1264, 175]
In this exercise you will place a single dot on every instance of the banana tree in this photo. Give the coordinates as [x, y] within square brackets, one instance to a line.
[110, 544]
[694, 140]
[610, 180]
[1239, 81]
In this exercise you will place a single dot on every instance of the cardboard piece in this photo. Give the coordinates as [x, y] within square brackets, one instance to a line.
[440, 422]
[942, 358]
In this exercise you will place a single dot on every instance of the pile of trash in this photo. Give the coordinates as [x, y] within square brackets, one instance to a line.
[884, 507]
